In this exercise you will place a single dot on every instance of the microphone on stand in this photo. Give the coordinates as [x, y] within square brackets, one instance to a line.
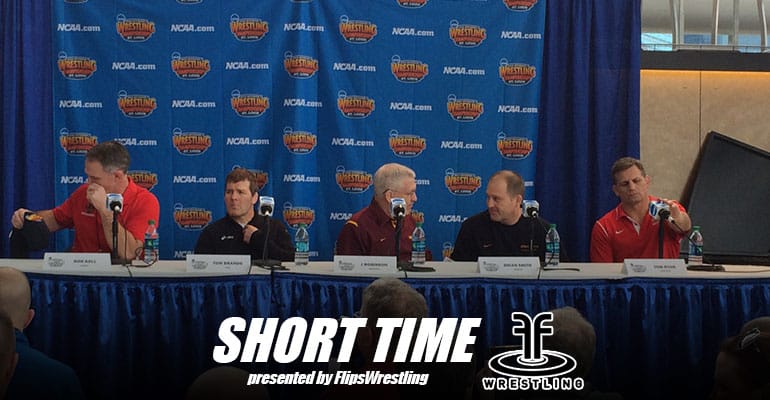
[115, 203]
[397, 208]
[265, 208]
[531, 210]
[398, 212]
[660, 211]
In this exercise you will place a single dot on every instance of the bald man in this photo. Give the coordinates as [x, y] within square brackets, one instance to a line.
[37, 376]
[502, 230]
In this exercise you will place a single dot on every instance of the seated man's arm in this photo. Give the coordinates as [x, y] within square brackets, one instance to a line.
[601, 249]
[205, 243]
[17, 219]
[349, 241]
[680, 216]
[464, 247]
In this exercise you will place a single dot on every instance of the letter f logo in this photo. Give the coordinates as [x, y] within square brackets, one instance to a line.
[532, 331]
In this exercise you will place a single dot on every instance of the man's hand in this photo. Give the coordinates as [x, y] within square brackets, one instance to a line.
[17, 220]
[681, 218]
[97, 196]
[248, 230]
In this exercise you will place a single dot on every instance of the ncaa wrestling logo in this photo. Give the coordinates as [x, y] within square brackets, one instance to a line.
[532, 367]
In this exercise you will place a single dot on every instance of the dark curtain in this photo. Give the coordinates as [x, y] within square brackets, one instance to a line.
[27, 176]
[589, 111]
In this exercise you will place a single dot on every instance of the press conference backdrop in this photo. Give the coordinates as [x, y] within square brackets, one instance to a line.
[313, 96]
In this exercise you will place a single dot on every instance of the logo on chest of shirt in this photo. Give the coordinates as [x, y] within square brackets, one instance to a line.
[227, 237]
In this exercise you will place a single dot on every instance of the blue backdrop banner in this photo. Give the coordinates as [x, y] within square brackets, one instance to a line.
[313, 96]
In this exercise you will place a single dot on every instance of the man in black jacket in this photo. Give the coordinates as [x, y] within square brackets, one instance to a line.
[243, 231]
[502, 230]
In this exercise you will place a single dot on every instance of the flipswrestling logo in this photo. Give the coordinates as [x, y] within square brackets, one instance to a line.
[531, 367]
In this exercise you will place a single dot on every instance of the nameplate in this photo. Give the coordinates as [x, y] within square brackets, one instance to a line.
[365, 265]
[525, 267]
[76, 261]
[219, 263]
[652, 267]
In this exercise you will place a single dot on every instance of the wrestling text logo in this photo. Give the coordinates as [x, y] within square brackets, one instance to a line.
[532, 367]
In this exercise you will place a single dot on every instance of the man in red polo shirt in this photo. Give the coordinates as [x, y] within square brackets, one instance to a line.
[87, 212]
[628, 230]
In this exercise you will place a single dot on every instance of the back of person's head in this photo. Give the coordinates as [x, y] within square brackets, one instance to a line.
[243, 174]
[392, 298]
[15, 296]
[387, 298]
[225, 382]
[743, 365]
[391, 176]
[112, 155]
[8, 356]
[573, 335]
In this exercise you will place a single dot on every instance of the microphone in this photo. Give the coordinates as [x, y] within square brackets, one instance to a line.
[531, 208]
[115, 202]
[397, 208]
[266, 206]
[265, 209]
[660, 210]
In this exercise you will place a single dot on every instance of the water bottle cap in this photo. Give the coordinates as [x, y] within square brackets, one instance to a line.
[696, 227]
[552, 225]
[151, 222]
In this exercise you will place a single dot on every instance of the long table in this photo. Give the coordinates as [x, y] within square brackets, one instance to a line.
[151, 332]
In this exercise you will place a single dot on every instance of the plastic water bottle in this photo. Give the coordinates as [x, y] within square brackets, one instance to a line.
[695, 254]
[418, 245]
[151, 243]
[552, 246]
[301, 245]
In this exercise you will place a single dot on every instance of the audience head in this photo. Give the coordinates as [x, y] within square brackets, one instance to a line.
[505, 192]
[225, 382]
[395, 180]
[15, 297]
[743, 364]
[241, 193]
[8, 355]
[629, 181]
[387, 298]
[573, 335]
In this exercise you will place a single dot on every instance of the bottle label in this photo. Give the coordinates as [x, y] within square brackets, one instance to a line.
[302, 247]
[552, 247]
[418, 246]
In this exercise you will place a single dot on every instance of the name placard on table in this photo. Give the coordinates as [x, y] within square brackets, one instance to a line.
[654, 267]
[523, 267]
[219, 263]
[367, 265]
[77, 261]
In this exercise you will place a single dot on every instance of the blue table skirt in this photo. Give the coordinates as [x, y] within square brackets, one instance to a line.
[147, 337]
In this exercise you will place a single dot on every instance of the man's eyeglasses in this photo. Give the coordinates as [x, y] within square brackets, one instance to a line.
[409, 195]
